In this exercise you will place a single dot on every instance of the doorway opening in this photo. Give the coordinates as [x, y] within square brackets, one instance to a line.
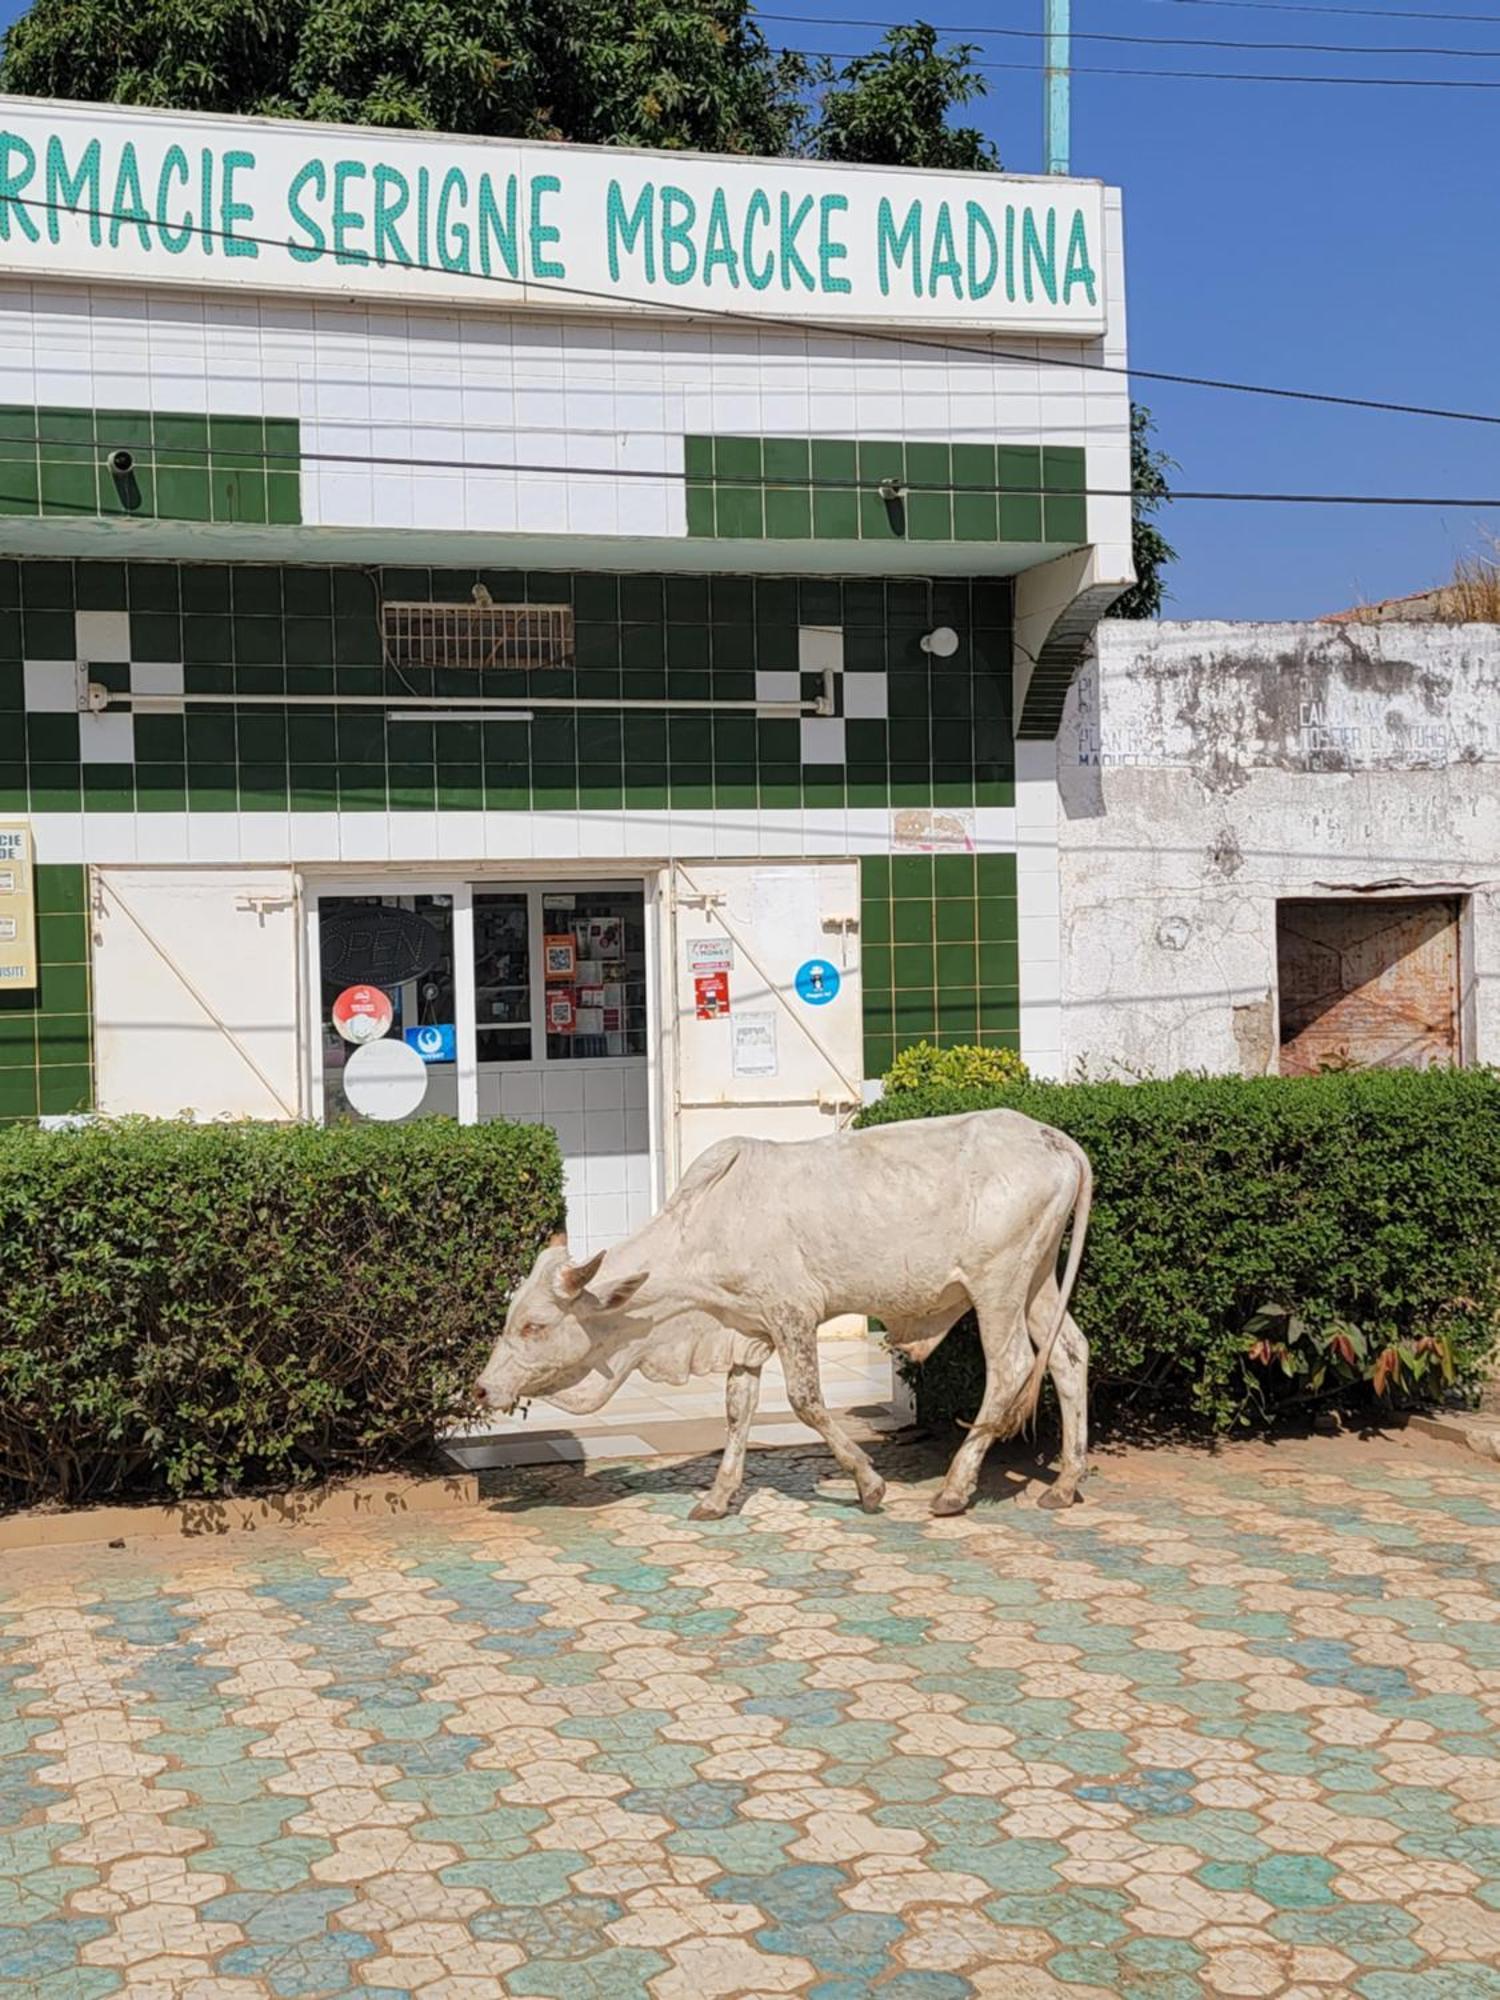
[523, 1000]
[1368, 984]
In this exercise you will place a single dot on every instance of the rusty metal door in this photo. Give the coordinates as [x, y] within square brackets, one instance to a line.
[1368, 985]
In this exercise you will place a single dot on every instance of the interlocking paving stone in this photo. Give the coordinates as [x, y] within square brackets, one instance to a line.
[1232, 1727]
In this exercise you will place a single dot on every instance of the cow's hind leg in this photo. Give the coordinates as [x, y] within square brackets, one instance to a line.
[741, 1394]
[1069, 1370]
[799, 1358]
[1007, 1366]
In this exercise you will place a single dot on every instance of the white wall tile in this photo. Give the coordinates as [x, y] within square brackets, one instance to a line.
[107, 739]
[50, 687]
[820, 649]
[777, 684]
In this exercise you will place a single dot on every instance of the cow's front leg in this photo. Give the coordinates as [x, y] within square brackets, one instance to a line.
[741, 1394]
[804, 1388]
[1007, 1365]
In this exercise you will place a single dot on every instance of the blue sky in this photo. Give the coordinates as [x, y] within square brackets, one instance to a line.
[1337, 239]
[1333, 239]
[1315, 237]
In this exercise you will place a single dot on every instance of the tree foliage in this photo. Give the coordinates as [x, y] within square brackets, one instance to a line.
[666, 73]
[624, 72]
[891, 108]
[1149, 546]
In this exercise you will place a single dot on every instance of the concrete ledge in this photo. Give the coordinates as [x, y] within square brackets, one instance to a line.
[1478, 1429]
[380, 1498]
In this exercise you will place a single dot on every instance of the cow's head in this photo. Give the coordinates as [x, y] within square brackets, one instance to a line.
[562, 1322]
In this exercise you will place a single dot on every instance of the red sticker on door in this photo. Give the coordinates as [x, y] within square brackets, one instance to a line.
[363, 1013]
[711, 995]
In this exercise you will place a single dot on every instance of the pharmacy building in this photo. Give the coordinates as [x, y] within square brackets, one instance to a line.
[506, 630]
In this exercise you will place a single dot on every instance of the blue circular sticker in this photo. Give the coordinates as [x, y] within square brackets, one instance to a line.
[817, 982]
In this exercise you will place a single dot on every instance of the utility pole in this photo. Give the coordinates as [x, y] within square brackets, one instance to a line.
[1057, 81]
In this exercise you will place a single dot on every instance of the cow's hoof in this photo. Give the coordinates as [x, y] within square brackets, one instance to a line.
[1056, 1498]
[949, 1503]
[709, 1510]
[870, 1497]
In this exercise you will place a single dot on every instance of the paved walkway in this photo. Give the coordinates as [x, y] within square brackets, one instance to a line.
[1232, 1727]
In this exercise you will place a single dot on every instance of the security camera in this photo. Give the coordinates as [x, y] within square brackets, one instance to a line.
[122, 471]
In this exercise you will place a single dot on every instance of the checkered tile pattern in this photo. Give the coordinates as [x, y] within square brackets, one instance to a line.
[1232, 1728]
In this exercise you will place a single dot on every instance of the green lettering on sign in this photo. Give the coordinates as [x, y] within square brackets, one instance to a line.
[981, 227]
[1038, 259]
[894, 246]
[502, 228]
[790, 225]
[315, 176]
[67, 190]
[679, 253]
[629, 228]
[232, 211]
[758, 213]
[453, 237]
[391, 199]
[1080, 269]
[128, 206]
[346, 219]
[12, 180]
[945, 264]
[542, 233]
[831, 250]
[174, 167]
[719, 247]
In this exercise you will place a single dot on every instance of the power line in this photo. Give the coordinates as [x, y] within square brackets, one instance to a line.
[1144, 41]
[1195, 75]
[1363, 13]
[763, 323]
[763, 481]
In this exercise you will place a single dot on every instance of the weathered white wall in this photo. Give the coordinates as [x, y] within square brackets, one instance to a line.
[1206, 770]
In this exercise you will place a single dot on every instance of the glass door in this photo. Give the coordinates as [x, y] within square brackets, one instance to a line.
[561, 1031]
[386, 971]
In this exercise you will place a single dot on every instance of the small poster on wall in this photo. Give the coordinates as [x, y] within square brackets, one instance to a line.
[711, 995]
[710, 954]
[753, 1044]
[559, 955]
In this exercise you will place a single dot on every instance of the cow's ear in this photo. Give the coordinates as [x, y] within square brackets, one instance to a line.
[616, 1294]
[569, 1279]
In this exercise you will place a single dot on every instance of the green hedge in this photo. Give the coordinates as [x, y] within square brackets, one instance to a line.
[1258, 1243]
[194, 1309]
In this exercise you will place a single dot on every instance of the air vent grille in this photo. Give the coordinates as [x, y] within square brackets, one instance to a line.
[477, 636]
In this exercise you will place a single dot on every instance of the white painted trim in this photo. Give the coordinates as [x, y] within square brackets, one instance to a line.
[464, 1024]
[612, 845]
[1038, 908]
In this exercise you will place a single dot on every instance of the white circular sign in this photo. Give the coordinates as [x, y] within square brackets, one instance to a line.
[385, 1080]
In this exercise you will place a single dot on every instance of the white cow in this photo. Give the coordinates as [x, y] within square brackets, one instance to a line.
[913, 1223]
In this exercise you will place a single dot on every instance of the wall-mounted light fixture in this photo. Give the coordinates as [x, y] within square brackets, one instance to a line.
[121, 465]
[941, 642]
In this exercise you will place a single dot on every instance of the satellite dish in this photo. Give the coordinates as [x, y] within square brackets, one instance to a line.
[385, 1080]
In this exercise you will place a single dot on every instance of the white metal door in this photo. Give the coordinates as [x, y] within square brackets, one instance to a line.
[753, 1053]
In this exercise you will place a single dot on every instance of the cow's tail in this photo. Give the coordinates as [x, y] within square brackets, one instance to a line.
[1023, 1409]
